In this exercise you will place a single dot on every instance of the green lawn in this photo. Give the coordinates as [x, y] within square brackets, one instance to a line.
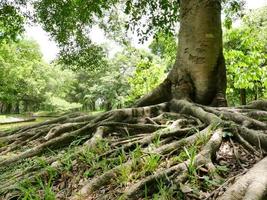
[16, 125]
[38, 119]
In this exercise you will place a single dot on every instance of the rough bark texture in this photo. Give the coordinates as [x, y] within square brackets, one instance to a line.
[253, 185]
[199, 72]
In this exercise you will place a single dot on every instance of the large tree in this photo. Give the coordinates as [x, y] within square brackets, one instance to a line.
[172, 140]
[199, 73]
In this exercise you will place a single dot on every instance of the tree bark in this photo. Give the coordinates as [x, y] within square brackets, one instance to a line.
[8, 108]
[243, 98]
[199, 73]
[17, 111]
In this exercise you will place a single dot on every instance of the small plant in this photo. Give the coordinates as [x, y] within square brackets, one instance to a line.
[222, 169]
[2, 143]
[90, 155]
[166, 192]
[87, 156]
[191, 156]
[156, 141]
[122, 157]
[202, 138]
[210, 183]
[136, 155]
[39, 189]
[68, 157]
[28, 192]
[181, 157]
[67, 161]
[151, 163]
[78, 141]
[102, 146]
[125, 175]
[40, 161]
[96, 165]
[47, 189]
[125, 171]
[89, 173]
[104, 165]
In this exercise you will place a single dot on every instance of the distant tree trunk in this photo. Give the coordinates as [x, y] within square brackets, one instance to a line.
[17, 108]
[1, 107]
[108, 106]
[257, 91]
[26, 106]
[243, 97]
[199, 72]
[92, 106]
[8, 108]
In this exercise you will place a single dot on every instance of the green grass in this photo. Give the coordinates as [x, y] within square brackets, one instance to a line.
[49, 115]
[3, 117]
[151, 163]
[5, 127]
[30, 190]
[95, 112]
[166, 192]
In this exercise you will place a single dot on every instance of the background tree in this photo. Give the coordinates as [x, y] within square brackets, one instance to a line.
[165, 46]
[148, 73]
[245, 50]
[28, 83]
[19, 63]
[11, 21]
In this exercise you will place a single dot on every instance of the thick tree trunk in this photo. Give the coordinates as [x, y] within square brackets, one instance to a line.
[199, 72]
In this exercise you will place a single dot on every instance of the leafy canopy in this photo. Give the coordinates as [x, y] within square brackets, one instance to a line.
[70, 19]
[11, 22]
[246, 56]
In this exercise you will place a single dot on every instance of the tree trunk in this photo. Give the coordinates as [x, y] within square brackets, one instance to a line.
[199, 73]
[8, 108]
[1, 107]
[26, 106]
[17, 110]
[108, 106]
[243, 98]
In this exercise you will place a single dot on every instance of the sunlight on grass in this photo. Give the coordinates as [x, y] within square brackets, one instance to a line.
[5, 127]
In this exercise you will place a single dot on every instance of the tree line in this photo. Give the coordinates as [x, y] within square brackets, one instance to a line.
[88, 78]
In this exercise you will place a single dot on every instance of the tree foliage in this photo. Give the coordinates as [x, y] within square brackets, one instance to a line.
[95, 76]
[148, 73]
[11, 22]
[128, 75]
[165, 46]
[246, 56]
[68, 20]
[28, 82]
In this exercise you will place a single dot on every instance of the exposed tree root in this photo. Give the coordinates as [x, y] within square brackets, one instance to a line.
[135, 152]
[253, 185]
